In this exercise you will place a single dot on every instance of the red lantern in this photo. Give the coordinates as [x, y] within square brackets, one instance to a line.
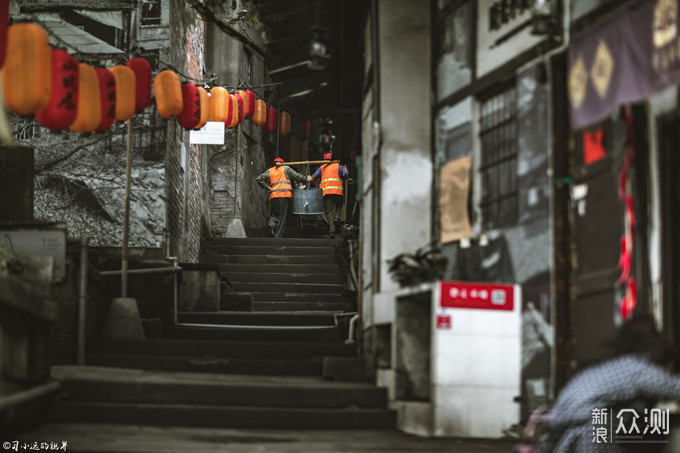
[284, 124]
[63, 106]
[107, 91]
[26, 76]
[191, 106]
[4, 24]
[142, 70]
[251, 104]
[308, 129]
[270, 124]
[205, 107]
[89, 100]
[125, 92]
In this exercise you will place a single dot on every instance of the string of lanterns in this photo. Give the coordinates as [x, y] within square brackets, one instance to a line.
[63, 93]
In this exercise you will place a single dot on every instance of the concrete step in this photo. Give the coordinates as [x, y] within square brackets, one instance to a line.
[221, 416]
[244, 318]
[283, 277]
[281, 259]
[208, 364]
[222, 349]
[270, 241]
[274, 296]
[264, 333]
[320, 232]
[128, 386]
[287, 288]
[286, 306]
[271, 250]
[277, 268]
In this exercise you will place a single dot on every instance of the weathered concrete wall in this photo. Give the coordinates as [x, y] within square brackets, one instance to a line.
[405, 155]
[225, 57]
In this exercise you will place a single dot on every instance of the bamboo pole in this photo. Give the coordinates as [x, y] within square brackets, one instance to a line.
[238, 148]
[307, 162]
[126, 213]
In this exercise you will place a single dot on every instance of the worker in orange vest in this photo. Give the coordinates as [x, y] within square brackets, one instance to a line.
[332, 179]
[278, 181]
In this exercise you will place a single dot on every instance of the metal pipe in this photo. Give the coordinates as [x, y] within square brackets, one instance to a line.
[352, 323]
[174, 287]
[14, 399]
[82, 299]
[151, 270]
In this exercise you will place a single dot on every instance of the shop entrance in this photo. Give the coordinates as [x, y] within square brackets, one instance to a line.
[669, 138]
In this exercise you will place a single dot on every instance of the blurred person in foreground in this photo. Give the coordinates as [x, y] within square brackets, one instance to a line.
[633, 376]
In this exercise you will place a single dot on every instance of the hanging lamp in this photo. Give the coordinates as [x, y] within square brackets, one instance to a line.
[260, 114]
[271, 123]
[168, 91]
[107, 96]
[26, 75]
[191, 106]
[142, 70]
[89, 101]
[219, 104]
[125, 92]
[63, 106]
[205, 107]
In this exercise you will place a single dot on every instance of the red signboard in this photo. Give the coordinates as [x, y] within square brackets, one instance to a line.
[486, 296]
[443, 322]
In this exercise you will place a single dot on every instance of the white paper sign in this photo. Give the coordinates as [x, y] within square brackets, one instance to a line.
[210, 134]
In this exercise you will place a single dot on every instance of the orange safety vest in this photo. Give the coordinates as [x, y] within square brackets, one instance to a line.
[281, 187]
[331, 184]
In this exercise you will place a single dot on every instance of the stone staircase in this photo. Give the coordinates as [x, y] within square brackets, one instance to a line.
[256, 368]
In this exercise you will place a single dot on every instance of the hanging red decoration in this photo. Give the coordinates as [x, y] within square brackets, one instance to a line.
[63, 106]
[205, 107]
[236, 110]
[125, 92]
[251, 104]
[26, 76]
[260, 114]
[219, 104]
[89, 101]
[284, 124]
[142, 70]
[308, 129]
[107, 95]
[271, 123]
[191, 106]
[168, 90]
[4, 24]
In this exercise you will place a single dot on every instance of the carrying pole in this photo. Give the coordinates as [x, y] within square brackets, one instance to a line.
[238, 149]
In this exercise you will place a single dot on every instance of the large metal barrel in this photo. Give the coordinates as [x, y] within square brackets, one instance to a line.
[308, 201]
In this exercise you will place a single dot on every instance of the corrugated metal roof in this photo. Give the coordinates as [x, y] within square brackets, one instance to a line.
[96, 5]
[75, 40]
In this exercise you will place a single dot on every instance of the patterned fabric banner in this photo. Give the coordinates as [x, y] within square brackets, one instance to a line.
[624, 57]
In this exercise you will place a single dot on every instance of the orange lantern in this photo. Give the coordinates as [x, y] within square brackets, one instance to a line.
[125, 92]
[4, 23]
[107, 94]
[237, 110]
[89, 101]
[168, 91]
[284, 124]
[270, 124]
[219, 104]
[260, 113]
[62, 109]
[191, 106]
[251, 104]
[142, 70]
[205, 107]
[27, 73]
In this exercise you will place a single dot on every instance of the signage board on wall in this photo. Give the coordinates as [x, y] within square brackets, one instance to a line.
[210, 134]
[503, 32]
[38, 242]
[485, 296]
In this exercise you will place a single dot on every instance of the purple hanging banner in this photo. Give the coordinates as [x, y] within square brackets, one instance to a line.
[624, 57]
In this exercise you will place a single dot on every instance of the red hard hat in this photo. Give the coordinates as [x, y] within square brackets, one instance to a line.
[327, 156]
[278, 159]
